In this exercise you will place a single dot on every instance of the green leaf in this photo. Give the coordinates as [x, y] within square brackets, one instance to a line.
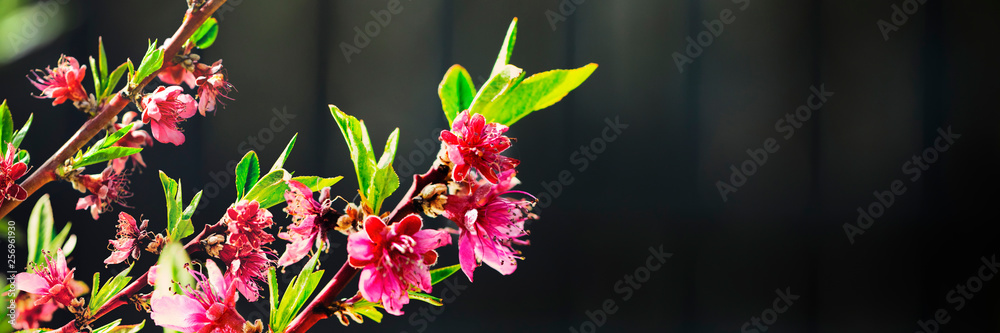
[103, 58]
[506, 50]
[104, 155]
[206, 33]
[272, 287]
[70, 245]
[23, 157]
[534, 93]
[296, 295]
[280, 163]
[6, 125]
[438, 275]
[369, 311]
[385, 180]
[384, 184]
[115, 327]
[192, 206]
[316, 183]
[60, 239]
[456, 91]
[95, 72]
[270, 189]
[151, 62]
[39, 229]
[170, 271]
[247, 174]
[19, 135]
[177, 228]
[110, 289]
[116, 76]
[497, 85]
[360, 146]
[426, 298]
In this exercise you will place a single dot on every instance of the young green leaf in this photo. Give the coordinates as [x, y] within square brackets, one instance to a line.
[534, 93]
[438, 275]
[316, 183]
[6, 126]
[151, 62]
[273, 291]
[506, 50]
[110, 289]
[116, 76]
[296, 295]
[19, 135]
[247, 174]
[39, 229]
[497, 85]
[456, 91]
[103, 58]
[385, 180]
[280, 163]
[270, 189]
[177, 228]
[369, 311]
[192, 206]
[104, 155]
[360, 146]
[96, 73]
[426, 298]
[206, 34]
[116, 327]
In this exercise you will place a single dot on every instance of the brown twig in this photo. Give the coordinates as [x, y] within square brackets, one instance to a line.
[193, 19]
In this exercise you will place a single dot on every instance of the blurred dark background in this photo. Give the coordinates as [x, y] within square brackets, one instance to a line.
[654, 185]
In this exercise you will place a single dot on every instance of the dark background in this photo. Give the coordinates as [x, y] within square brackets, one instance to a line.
[655, 185]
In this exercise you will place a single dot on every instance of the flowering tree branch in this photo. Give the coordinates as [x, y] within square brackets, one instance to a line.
[193, 19]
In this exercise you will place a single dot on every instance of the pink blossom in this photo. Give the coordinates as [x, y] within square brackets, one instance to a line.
[164, 109]
[29, 314]
[246, 222]
[174, 75]
[62, 83]
[247, 268]
[127, 241]
[472, 143]
[394, 259]
[53, 281]
[10, 171]
[211, 86]
[310, 219]
[210, 306]
[136, 138]
[107, 187]
[489, 224]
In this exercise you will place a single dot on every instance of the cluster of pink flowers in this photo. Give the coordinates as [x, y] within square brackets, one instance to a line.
[488, 222]
[245, 249]
[208, 306]
[49, 287]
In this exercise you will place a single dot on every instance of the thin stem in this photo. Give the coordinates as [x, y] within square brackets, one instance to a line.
[47, 172]
[316, 310]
